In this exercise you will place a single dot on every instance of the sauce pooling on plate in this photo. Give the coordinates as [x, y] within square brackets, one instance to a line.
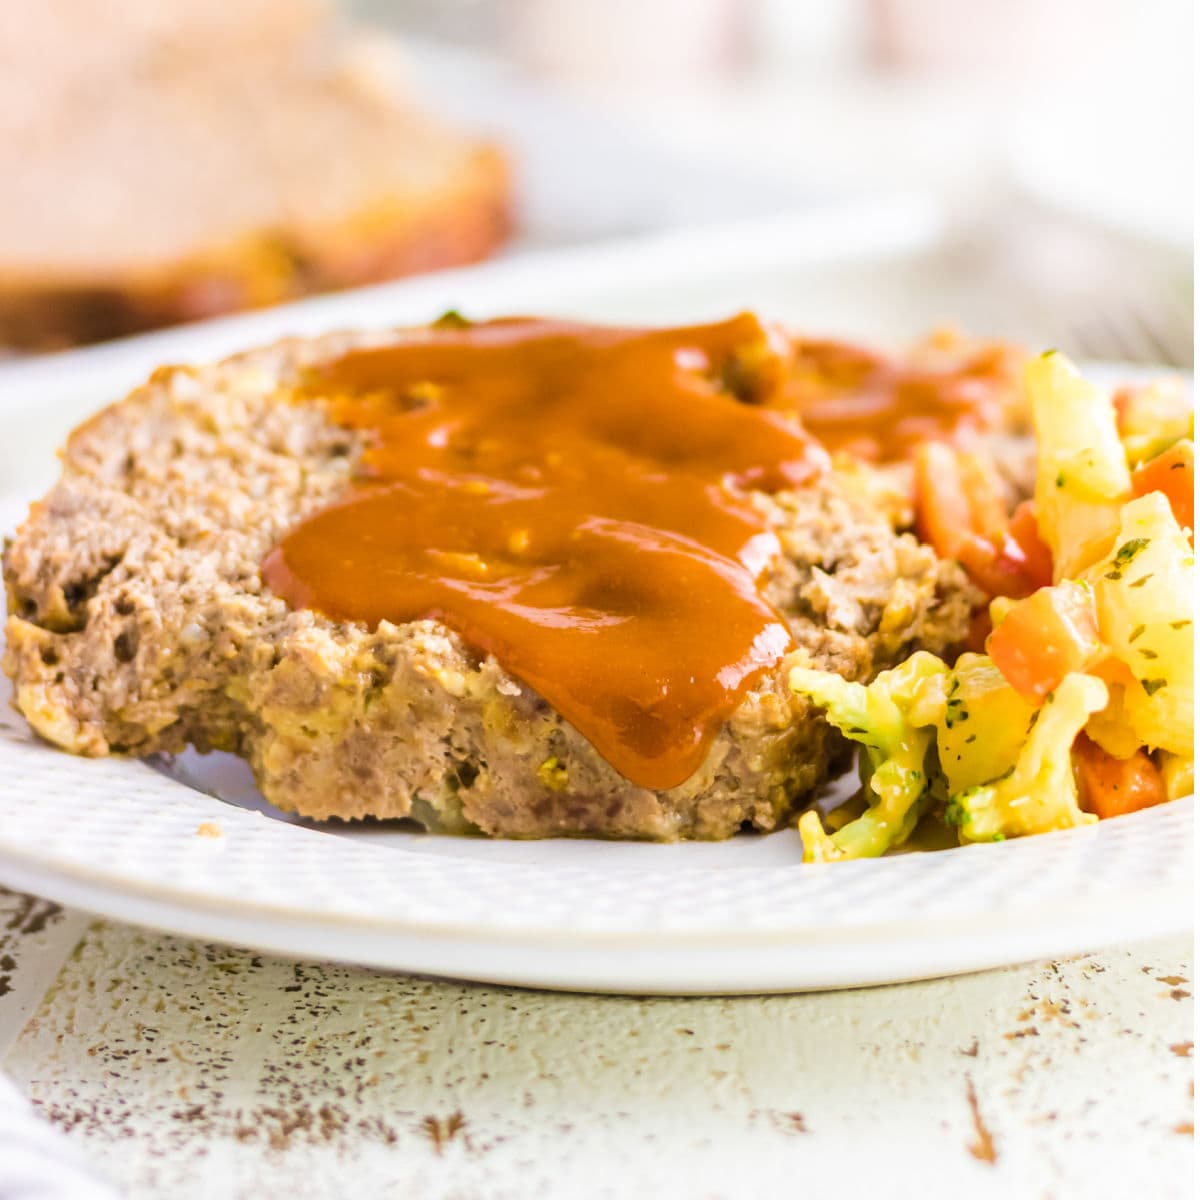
[574, 501]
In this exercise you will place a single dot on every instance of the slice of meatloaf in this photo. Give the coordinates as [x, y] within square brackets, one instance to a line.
[165, 162]
[139, 622]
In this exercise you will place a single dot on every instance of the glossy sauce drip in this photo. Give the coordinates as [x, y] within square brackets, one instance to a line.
[571, 500]
[880, 409]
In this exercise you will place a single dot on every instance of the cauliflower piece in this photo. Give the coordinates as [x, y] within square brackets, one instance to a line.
[1038, 794]
[885, 718]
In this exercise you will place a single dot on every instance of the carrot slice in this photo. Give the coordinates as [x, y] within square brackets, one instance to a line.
[1173, 472]
[960, 513]
[981, 488]
[1044, 638]
[942, 512]
[998, 567]
[1022, 528]
[1111, 787]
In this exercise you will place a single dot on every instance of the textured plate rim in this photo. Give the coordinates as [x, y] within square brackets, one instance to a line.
[678, 967]
[620, 954]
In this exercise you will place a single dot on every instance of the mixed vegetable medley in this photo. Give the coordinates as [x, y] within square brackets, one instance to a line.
[1080, 706]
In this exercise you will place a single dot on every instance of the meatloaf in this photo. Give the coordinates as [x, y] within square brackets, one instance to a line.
[196, 158]
[139, 622]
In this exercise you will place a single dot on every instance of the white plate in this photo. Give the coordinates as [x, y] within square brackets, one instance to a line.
[120, 837]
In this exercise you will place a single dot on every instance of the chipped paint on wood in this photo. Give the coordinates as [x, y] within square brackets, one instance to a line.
[192, 1070]
[983, 1146]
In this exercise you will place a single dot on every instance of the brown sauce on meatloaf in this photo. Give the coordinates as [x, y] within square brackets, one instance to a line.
[575, 501]
[880, 408]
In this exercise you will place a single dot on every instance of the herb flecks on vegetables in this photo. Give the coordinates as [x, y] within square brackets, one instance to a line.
[885, 717]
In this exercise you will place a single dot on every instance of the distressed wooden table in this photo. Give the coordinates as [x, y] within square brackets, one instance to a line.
[190, 1070]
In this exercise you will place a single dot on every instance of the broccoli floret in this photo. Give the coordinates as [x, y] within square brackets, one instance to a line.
[885, 718]
[1038, 793]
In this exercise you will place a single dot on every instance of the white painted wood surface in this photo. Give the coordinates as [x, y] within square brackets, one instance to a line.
[186, 1070]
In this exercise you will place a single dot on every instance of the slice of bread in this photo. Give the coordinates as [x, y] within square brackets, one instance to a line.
[165, 183]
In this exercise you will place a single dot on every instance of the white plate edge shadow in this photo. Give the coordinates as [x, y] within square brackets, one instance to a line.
[678, 968]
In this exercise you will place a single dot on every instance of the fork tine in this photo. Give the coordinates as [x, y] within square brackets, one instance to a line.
[1171, 326]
